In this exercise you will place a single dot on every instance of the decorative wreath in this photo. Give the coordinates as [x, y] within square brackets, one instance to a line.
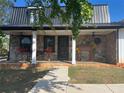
[97, 40]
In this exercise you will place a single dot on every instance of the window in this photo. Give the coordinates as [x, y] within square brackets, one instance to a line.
[49, 43]
[26, 42]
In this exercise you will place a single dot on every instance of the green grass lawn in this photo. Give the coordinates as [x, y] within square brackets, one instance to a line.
[93, 75]
[19, 81]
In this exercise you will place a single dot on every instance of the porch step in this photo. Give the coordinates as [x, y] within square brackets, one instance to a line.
[60, 66]
[54, 65]
[120, 65]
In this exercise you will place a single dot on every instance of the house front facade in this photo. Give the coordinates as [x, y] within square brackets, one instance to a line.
[99, 39]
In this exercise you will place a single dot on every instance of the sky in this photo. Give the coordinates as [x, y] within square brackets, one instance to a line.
[116, 7]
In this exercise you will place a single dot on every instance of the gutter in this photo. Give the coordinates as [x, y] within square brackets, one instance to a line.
[60, 27]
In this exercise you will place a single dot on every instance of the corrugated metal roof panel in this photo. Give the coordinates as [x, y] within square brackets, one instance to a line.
[20, 15]
[100, 14]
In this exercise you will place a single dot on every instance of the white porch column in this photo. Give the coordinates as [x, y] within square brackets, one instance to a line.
[34, 46]
[121, 46]
[73, 51]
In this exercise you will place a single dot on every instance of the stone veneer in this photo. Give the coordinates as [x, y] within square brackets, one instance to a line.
[86, 50]
[15, 54]
[111, 49]
[41, 55]
[104, 52]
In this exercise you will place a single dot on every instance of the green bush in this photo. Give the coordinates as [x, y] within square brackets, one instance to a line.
[3, 51]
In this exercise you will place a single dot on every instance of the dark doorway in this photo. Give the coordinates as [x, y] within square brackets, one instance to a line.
[63, 48]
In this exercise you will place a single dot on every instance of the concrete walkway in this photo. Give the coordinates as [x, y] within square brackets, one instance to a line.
[56, 81]
[95, 88]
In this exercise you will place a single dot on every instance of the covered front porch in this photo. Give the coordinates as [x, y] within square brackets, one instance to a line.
[93, 44]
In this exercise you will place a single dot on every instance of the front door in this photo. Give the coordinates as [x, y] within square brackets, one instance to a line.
[63, 47]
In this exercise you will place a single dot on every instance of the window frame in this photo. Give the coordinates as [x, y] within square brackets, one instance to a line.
[26, 46]
[46, 45]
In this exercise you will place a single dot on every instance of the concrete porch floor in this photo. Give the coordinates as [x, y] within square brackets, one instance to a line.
[52, 64]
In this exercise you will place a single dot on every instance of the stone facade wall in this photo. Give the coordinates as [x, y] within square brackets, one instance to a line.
[41, 55]
[86, 50]
[15, 54]
[103, 52]
[111, 47]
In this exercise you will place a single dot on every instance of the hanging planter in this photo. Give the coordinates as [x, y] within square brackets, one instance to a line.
[22, 49]
[49, 51]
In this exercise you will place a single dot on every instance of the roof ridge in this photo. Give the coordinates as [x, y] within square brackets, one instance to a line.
[61, 6]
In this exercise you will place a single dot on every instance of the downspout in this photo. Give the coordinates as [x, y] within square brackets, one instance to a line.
[117, 43]
[8, 59]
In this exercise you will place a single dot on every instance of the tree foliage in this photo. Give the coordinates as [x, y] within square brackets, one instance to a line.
[4, 9]
[76, 12]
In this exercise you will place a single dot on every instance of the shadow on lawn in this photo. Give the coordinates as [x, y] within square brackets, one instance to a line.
[52, 85]
[19, 81]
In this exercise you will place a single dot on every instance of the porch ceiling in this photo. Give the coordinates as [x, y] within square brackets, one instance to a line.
[86, 29]
[97, 31]
[82, 32]
[61, 32]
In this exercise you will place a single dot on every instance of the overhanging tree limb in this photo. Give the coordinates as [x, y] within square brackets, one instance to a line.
[76, 12]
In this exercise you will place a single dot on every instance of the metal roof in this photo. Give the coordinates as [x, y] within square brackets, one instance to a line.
[100, 14]
[20, 15]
